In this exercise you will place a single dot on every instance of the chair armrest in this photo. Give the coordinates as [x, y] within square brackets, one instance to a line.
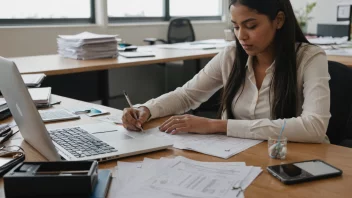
[152, 41]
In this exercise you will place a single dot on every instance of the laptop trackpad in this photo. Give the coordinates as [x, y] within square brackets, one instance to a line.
[112, 138]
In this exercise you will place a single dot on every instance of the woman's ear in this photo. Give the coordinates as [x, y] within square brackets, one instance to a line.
[280, 20]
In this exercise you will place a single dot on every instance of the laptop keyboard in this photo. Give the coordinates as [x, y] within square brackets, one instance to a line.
[80, 143]
[56, 114]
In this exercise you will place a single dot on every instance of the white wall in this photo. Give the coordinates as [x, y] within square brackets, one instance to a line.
[27, 41]
[324, 12]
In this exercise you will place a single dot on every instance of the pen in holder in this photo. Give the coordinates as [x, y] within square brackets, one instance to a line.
[277, 146]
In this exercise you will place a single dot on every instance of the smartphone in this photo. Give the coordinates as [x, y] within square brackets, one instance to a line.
[304, 171]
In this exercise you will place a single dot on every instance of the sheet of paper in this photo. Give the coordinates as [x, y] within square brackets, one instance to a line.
[222, 146]
[182, 178]
[116, 119]
[339, 52]
[199, 45]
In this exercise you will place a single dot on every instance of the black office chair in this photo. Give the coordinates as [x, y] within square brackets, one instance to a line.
[180, 30]
[340, 125]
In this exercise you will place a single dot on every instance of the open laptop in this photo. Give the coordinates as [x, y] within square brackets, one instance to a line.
[73, 143]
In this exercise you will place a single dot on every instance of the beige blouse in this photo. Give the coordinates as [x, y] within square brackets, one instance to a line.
[253, 110]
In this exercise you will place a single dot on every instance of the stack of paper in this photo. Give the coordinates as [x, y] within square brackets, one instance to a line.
[40, 96]
[328, 40]
[87, 45]
[3, 105]
[182, 177]
[197, 45]
[33, 80]
[215, 145]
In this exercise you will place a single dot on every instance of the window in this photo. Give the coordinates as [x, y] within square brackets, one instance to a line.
[46, 11]
[135, 8]
[163, 10]
[204, 8]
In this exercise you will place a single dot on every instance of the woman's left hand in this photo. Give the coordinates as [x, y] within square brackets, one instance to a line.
[187, 123]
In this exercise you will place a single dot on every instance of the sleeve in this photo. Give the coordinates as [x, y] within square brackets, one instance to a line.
[196, 91]
[311, 125]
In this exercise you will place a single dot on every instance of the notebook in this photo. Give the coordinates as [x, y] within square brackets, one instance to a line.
[33, 80]
[136, 54]
[40, 95]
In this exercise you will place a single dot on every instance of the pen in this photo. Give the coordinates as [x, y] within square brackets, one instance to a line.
[129, 103]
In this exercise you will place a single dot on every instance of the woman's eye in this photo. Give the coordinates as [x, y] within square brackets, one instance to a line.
[252, 27]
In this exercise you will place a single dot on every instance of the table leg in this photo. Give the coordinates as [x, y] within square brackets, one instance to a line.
[103, 82]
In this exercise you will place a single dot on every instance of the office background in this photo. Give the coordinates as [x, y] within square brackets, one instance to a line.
[142, 83]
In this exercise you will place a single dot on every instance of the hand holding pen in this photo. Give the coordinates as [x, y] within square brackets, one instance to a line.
[133, 118]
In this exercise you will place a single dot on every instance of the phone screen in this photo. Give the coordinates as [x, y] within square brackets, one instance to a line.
[303, 169]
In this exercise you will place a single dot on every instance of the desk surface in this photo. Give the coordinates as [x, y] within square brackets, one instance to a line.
[56, 65]
[264, 186]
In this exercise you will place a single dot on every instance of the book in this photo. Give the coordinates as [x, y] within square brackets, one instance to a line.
[103, 183]
[41, 95]
[33, 80]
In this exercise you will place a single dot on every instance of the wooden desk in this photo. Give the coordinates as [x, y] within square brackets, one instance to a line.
[57, 65]
[264, 186]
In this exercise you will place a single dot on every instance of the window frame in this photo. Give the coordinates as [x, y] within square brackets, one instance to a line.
[166, 17]
[48, 21]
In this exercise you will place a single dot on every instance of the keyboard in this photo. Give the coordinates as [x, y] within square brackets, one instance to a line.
[57, 115]
[79, 142]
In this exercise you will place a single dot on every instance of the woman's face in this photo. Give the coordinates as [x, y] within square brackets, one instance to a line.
[254, 31]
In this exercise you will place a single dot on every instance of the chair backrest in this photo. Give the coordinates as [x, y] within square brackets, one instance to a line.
[340, 122]
[180, 30]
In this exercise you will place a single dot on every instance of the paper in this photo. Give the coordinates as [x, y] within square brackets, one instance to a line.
[339, 52]
[182, 177]
[197, 45]
[86, 45]
[33, 79]
[2, 101]
[116, 119]
[136, 54]
[328, 40]
[40, 95]
[221, 146]
[87, 36]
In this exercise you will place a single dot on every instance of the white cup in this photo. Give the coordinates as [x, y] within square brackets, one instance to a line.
[229, 35]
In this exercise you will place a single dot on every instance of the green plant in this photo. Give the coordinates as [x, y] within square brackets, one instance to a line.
[302, 15]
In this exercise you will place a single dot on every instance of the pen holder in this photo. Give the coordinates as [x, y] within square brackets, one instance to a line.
[277, 148]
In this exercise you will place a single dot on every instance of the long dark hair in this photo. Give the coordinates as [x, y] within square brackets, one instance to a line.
[284, 80]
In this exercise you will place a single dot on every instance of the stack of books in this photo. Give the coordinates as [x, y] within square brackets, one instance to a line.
[4, 109]
[33, 80]
[87, 45]
[41, 96]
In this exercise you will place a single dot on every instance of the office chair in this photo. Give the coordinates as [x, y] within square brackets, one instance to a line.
[340, 124]
[180, 30]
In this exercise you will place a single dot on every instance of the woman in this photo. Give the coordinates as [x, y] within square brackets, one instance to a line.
[269, 74]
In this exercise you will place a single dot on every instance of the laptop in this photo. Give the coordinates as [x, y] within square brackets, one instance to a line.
[81, 142]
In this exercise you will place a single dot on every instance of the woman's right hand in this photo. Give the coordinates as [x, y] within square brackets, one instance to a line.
[134, 118]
